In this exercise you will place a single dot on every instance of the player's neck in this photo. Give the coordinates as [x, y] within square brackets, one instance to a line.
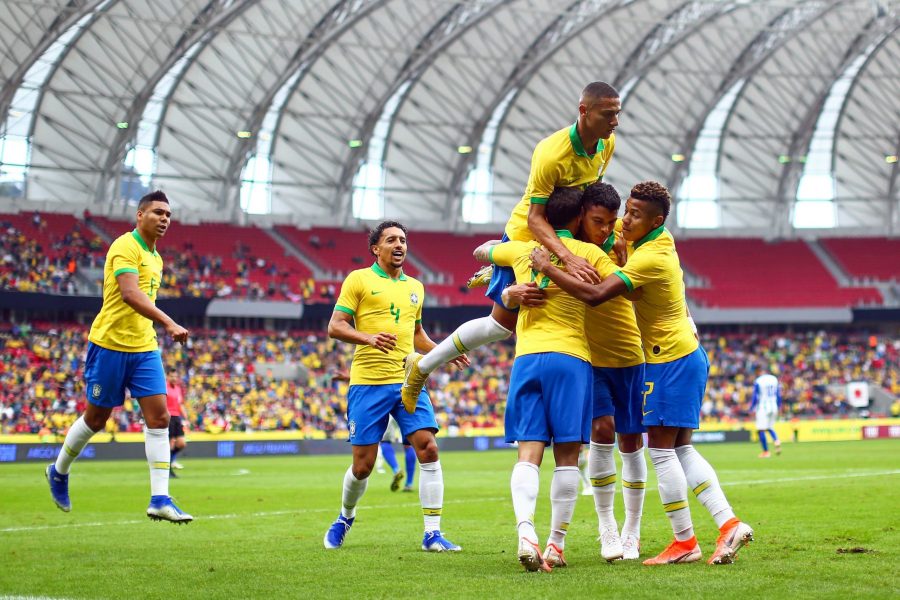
[390, 270]
[149, 241]
[590, 145]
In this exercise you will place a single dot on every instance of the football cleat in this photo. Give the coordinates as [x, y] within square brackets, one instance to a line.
[435, 542]
[553, 556]
[631, 546]
[677, 552]
[530, 556]
[610, 544]
[395, 482]
[778, 448]
[481, 278]
[413, 382]
[177, 465]
[334, 537]
[407, 488]
[764, 454]
[162, 508]
[59, 488]
[735, 535]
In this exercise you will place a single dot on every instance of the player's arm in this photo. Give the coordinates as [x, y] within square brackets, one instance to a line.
[340, 327]
[755, 396]
[524, 294]
[546, 235]
[589, 293]
[142, 305]
[422, 343]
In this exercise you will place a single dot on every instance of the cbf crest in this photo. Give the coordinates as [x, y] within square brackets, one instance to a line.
[352, 427]
[96, 390]
[414, 299]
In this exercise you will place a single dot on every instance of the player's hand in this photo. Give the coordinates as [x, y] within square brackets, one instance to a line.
[525, 294]
[580, 268]
[383, 341]
[621, 250]
[460, 362]
[540, 259]
[177, 332]
[340, 375]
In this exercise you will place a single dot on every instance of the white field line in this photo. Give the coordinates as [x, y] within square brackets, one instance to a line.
[277, 513]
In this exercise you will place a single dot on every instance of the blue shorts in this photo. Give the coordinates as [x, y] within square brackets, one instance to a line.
[619, 392]
[501, 278]
[549, 399]
[673, 391]
[108, 372]
[368, 407]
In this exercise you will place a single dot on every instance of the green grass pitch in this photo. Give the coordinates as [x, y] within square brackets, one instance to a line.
[826, 517]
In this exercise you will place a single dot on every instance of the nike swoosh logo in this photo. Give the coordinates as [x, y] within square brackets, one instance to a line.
[647, 413]
[143, 264]
[374, 293]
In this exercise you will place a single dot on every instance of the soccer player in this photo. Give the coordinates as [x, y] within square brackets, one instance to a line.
[617, 359]
[123, 352]
[574, 156]
[380, 310]
[676, 372]
[175, 406]
[767, 402]
[549, 399]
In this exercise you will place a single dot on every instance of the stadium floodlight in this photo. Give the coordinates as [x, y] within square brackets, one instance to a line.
[678, 158]
[890, 158]
[464, 149]
[122, 125]
[354, 143]
[244, 134]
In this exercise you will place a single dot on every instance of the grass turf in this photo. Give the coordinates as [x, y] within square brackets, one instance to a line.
[825, 514]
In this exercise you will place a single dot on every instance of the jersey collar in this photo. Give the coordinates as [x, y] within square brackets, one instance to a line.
[564, 233]
[380, 272]
[650, 236]
[141, 241]
[609, 243]
[577, 144]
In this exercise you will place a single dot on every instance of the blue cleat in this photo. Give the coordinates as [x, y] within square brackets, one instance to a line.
[162, 508]
[59, 488]
[334, 537]
[435, 542]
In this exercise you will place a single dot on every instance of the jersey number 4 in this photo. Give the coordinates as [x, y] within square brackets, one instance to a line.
[395, 313]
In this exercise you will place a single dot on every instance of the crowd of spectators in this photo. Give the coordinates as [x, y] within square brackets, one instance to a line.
[258, 381]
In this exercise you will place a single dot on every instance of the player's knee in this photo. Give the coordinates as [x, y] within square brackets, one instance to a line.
[362, 471]
[629, 443]
[157, 421]
[603, 431]
[95, 422]
[428, 453]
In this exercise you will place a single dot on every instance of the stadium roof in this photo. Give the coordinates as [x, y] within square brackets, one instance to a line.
[427, 110]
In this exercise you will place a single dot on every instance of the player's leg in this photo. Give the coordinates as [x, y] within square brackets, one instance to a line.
[104, 384]
[627, 400]
[586, 487]
[368, 407]
[602, 463]
[566, 384]
[410, 455]
[176, 443]
[471, 334]
[390, 457]
[419, 429]
[771, 429]
[762, 442]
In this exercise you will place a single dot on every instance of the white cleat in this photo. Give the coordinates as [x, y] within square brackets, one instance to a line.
[530, 556]
[162, 508]
[611, 545]
[553, 556]
[631, 547]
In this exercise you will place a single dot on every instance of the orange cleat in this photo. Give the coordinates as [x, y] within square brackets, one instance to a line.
[530, 556]
[764, 454]
[677, 552]
[734, 536]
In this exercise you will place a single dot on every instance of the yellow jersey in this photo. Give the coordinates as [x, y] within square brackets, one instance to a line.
[118, 326]
[661, 312]
[558, 325]
[611, 329]
[379, 303]
[559, 160]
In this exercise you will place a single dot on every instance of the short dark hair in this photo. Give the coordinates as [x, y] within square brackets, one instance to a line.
[601, 194]
[657, 193]
[156, 196]
[598, 89]
[563, 205]
[375, 234]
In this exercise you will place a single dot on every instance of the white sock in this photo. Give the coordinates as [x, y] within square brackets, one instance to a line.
[702, 479]
[353, 491]
[563, 495]
[602, 471]
[467, 336]
[634, 485]
[673, 492]
[77, 438]
[431, 494]
[156, 446]
[525, 483]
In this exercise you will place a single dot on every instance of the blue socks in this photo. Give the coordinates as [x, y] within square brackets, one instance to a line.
[410, 464]
[390, 457]
[762, 440]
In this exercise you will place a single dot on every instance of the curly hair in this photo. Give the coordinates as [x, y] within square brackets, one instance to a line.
[656, 193]
[375, 234]
[601, 194]
[563, 205]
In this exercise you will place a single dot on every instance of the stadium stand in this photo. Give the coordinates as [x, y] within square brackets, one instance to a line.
[867, 258]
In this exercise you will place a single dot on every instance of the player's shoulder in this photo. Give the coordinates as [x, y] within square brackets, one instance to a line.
[555, 143]
[126, 240]
[580, 248]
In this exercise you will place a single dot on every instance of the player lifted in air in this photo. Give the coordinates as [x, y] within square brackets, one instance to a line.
[380, 310]
[676, 373]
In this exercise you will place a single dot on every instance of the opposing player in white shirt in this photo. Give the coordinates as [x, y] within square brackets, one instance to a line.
[766, 402]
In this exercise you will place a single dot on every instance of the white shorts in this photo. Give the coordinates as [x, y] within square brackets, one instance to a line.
[766, 420]
[392, 433]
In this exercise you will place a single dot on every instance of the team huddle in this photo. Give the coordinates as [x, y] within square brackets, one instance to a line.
[606, 352]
